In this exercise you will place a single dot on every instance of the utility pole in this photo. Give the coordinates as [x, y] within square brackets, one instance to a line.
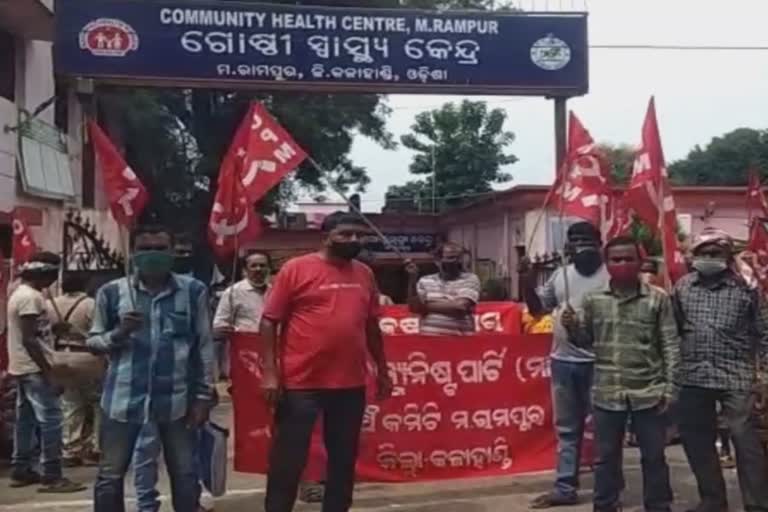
[434, 182]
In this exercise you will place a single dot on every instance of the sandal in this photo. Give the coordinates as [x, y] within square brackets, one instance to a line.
[553, 499]
[61, 486]
[311, 492]
[24, 479]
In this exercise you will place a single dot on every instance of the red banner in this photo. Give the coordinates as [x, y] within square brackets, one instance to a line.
[463, 407]
[490, 318]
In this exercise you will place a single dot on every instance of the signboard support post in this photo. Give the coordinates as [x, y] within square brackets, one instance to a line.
[561, 135]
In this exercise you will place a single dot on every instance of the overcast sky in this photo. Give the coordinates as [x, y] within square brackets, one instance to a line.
[699, 94]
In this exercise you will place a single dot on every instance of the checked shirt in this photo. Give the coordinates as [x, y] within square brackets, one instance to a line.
[723, 329]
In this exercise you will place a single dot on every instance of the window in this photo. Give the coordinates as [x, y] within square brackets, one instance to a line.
[557, 231]
[43, 161]
[7, 66]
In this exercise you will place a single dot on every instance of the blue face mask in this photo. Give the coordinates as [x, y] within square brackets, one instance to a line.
[153, 262]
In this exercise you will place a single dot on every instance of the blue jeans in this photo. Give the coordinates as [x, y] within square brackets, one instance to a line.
[37, 407]
[571, 388]
[145, 457]
[118, 442]
[650, 428]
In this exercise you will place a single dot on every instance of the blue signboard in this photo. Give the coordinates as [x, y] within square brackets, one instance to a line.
[227, 44]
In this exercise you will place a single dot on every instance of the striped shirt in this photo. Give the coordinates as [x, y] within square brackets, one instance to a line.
[155, 373]
[435, 288]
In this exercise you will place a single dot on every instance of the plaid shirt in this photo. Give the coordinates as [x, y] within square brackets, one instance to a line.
[723, 327]
[637, 348]
[162, 367]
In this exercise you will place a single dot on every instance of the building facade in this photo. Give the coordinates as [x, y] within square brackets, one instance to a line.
[41, 134]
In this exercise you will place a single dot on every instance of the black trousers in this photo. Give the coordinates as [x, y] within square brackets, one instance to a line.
[650, 428]
[698, 431]
[342, 411]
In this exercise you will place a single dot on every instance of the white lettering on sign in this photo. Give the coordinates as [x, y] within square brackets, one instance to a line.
[478, 457]
[464, 52]
[303, 21]
[230, 43]
[212, 18]
[457, 26]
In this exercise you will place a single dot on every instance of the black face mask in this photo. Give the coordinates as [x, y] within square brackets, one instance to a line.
[345, 250]
[182, 264]
[451, 268]
[587, 260]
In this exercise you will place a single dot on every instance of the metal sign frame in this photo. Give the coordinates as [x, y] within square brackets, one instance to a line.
[231, 45]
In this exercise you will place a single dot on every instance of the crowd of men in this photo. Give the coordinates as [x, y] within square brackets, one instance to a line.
[118, 380]
[635, 355]
[143, 358]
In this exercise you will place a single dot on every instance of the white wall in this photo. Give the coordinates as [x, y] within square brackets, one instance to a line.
[34, 85]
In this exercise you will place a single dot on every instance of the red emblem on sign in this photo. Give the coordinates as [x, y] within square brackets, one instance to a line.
[106, 37]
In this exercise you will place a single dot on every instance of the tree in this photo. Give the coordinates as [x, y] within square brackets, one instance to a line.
[725, 160]
[463, 146]
[175, 139]
[622, 159]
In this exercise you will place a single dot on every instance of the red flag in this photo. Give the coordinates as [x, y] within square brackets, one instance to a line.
[758, 245]
[583, 186]
[262, 153]
[126, 194]
[756, 204]
[620, 221]
[233, 220]
[650, 195]
[24, 245]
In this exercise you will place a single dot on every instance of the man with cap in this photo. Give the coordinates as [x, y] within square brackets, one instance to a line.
[31, 364]
[724, 326]
[572, 366]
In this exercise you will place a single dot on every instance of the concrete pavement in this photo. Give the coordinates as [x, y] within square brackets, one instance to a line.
[504, 494]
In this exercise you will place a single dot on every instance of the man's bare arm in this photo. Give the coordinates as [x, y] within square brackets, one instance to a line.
[268, 331]
[31, 343]
[376, 344]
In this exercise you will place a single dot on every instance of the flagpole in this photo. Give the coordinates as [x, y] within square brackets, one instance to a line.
[355, 209]
[563, 238]
[235, 256]
[125, 238]
[662, 224]
[542, 212]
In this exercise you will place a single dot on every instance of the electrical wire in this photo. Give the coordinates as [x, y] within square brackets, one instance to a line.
[677, 47]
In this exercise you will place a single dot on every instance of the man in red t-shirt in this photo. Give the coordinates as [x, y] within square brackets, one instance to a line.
[325, 306]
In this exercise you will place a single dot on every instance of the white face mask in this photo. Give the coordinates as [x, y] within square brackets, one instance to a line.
[709, 267]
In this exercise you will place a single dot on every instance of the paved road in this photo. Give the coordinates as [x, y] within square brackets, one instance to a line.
[507, 494]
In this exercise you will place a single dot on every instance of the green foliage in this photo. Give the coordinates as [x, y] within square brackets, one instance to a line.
[724, 161]
[464, 146]
[175, 139]
[622, 158]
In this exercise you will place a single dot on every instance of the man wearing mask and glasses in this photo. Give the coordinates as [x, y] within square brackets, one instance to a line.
[446, 300]
[571, 365]
[724, 329]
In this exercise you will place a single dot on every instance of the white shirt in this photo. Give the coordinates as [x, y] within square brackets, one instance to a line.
[240, 307]
[27, 301]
